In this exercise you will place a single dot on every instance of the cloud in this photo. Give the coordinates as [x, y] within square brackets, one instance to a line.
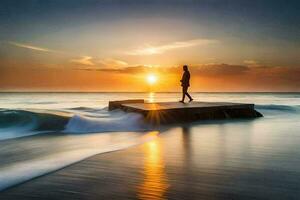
[84, 60]
[252, 63]
[214, 69]
[125, 70]
[94, 64]
[31, 47]
[220, 69]
[114, 63]
[150, 50]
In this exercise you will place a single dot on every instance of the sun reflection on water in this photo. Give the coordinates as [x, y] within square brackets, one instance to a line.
[151, 97]
[155, 181]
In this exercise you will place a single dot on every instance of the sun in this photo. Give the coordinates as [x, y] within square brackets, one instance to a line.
[151, 79]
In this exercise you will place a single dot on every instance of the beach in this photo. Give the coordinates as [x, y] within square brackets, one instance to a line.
[217, 159]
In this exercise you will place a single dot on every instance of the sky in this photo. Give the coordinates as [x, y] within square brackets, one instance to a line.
[113, 45]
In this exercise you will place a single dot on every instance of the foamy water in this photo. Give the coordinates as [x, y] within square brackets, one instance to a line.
[43, 132]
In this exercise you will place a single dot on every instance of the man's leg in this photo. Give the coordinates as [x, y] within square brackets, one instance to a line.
[184, 91]
[189, 96]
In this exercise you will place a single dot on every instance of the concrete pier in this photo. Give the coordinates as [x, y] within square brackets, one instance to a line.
[168, 112]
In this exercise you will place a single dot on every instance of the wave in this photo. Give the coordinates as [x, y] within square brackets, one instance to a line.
[38, 120]
[82, 108]
[31, 157]
[57, 153]
[276, 107]
[117, 122]
[20, 123]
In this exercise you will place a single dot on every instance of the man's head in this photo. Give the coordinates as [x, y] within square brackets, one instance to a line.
[185, 68]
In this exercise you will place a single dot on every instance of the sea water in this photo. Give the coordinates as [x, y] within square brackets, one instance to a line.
[44, 132]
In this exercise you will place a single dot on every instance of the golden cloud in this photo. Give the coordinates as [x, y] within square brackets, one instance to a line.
[150, 50]
[31, 47]
[84, 60]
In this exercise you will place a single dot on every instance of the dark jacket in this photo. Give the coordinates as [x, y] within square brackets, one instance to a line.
[185, 80]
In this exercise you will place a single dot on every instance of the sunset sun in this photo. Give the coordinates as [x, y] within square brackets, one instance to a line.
[151, 79]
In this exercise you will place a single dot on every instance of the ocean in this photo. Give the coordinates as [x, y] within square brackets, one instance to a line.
[44, 132]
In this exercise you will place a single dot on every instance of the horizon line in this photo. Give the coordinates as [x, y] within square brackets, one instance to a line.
[147, 92]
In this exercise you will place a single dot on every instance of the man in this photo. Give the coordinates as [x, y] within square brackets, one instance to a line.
[185, 83]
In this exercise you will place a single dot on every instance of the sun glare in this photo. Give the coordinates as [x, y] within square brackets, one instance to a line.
[151, 79]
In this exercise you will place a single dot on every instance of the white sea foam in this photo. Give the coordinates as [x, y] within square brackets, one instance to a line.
[120, 121]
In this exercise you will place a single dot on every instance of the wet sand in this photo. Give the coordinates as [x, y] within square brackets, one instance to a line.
[179, 164]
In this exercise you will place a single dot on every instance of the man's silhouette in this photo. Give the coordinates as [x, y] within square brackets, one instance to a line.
[185, 83]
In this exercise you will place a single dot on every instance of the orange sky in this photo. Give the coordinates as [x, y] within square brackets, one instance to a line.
[212, 77]
[87, 45]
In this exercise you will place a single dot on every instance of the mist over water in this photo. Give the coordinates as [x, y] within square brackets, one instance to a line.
[43, 132]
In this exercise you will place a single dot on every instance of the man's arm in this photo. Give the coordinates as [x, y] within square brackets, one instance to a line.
[184, 77]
